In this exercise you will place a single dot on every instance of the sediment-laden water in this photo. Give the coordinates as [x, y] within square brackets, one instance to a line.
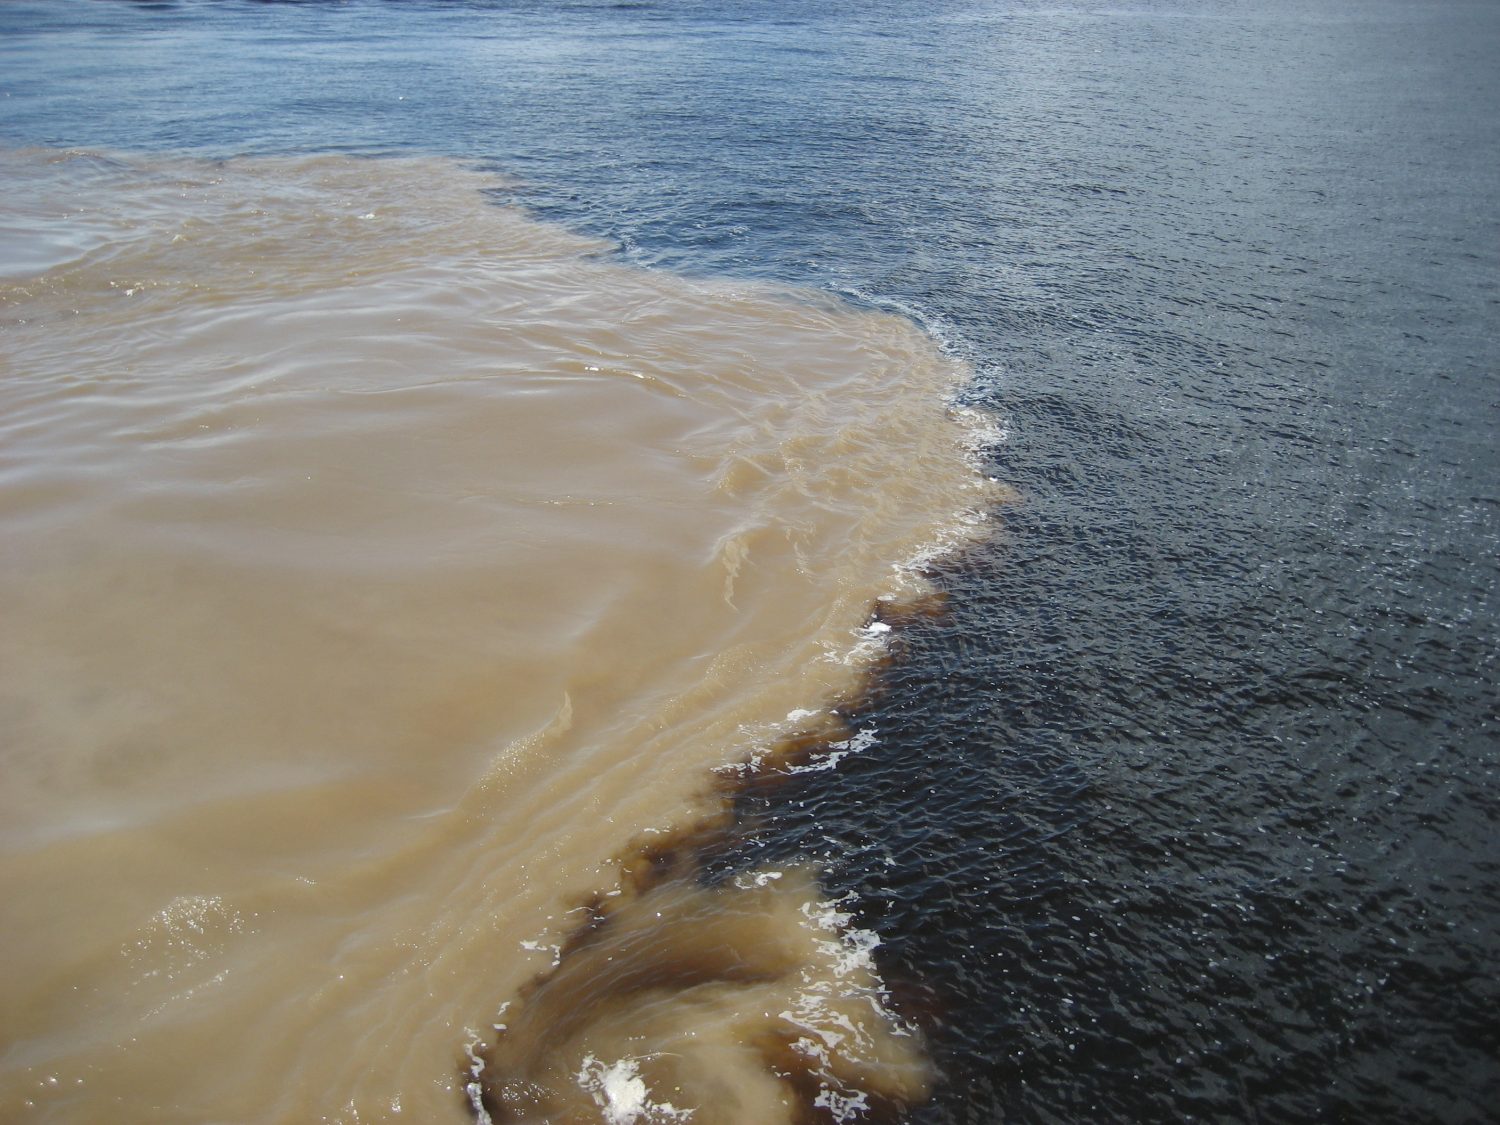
[379, 566]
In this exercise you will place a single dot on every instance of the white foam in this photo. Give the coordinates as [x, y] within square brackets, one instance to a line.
[474, 1088]
[622, 1094]
[838, 751]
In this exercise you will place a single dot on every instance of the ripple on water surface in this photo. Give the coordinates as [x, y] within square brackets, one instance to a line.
[378, 566]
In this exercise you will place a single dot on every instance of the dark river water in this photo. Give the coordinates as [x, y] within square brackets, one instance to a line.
[1184, 805]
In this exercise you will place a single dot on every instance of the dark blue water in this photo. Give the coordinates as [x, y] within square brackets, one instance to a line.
[1185, 807]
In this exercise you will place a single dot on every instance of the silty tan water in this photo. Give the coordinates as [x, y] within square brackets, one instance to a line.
[377, 566]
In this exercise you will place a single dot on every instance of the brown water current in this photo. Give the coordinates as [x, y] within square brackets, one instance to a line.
[378, 566]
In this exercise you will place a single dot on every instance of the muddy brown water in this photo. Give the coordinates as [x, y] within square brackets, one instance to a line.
[378, 567]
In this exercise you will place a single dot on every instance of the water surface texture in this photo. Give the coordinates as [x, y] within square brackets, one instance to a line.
[379, 564]
[1184, 807]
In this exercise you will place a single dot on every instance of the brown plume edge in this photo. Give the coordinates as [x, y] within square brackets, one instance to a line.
[719, 1000]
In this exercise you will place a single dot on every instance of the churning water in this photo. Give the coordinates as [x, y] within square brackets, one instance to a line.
[385, 572]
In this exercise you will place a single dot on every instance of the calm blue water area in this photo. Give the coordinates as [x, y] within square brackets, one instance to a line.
[1185, 808]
